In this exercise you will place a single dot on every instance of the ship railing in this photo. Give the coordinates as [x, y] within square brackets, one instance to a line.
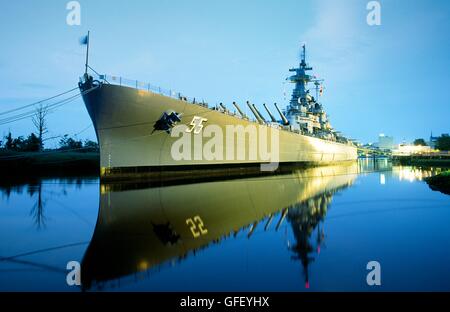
[139, 85]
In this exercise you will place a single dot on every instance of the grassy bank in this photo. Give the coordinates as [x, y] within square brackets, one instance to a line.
[54, 162]
[440, 182]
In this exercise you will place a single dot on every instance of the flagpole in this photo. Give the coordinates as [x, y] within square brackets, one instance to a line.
[87, 53]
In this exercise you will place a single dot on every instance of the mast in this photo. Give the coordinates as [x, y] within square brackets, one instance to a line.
[304, 55]
[300, 79]
[87, 53]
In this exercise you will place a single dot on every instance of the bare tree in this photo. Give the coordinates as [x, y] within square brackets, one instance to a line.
[39, 121]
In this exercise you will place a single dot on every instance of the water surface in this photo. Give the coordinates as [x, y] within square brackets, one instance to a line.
[311, 230]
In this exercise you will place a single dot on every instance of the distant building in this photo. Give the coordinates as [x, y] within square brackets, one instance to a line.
[407, 150]
[385, 142]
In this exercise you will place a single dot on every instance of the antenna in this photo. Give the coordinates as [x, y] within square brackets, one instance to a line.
[303, 54]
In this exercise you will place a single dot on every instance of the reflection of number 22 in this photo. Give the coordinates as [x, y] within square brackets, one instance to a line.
[197, 227]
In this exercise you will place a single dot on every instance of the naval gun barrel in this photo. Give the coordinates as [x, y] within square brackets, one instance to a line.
[239, 110]
[257, 111]
[269, 112]
[254, 112]
[285, 121]
[223, 107]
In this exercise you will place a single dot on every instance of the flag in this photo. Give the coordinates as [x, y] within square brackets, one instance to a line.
[84, 40]
[321, 90]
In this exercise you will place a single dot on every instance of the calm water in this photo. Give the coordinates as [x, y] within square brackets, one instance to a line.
[314, 229]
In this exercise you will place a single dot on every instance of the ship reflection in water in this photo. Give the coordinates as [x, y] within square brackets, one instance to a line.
[144, 228]
[310, 229]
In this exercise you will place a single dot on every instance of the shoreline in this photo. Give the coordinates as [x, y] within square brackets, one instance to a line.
[17, 165]
[440, 182]
[421, 160]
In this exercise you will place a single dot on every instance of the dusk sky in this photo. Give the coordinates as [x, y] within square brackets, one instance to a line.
[391, 79]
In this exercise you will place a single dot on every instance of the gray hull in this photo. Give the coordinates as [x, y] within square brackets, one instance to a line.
[124, 119]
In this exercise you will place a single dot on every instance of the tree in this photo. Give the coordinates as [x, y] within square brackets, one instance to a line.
[90, 146]
[17, 144]
[31, 144]
[420, 142]
[68, 143]
[9, 141]
[443, 143]
[39, 121]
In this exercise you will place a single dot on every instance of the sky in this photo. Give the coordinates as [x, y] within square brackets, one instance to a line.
[391, 78]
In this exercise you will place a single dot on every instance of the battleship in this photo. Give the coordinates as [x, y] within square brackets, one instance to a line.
[138, 128]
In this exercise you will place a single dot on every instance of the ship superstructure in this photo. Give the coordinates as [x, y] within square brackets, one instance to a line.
[305, 113]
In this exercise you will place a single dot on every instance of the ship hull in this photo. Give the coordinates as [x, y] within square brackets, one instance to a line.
[124, 119]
